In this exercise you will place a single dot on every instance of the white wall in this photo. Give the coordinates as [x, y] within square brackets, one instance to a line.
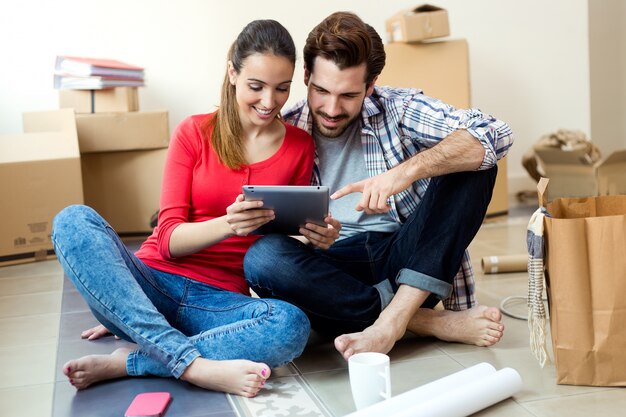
[529, 60]
[607, 58]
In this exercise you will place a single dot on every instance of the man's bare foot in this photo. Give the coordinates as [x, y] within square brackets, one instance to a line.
[480, 325]
[90, 369]
[376, 338]
[240, 377]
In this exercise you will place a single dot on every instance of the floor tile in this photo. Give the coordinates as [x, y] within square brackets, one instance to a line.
[30, 304]
[29, 330]
[506, 408]
[333, 388]
[30, 284]
[319, 355]
[285, 370]
[31, 269]
[538, 383]
[26, 401]
[609, 403]
[27, 365]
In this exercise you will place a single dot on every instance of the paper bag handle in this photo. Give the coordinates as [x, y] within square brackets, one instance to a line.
[542, 187]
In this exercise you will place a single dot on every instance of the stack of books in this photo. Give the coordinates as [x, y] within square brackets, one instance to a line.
[80, 73]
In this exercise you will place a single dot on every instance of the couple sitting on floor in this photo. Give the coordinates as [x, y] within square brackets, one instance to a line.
[411, 179]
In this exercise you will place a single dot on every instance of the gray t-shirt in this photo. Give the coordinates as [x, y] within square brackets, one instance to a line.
[341, 162]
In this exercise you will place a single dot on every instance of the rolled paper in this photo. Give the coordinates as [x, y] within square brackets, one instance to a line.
[422, 394]
[470, 398]
[504, 263]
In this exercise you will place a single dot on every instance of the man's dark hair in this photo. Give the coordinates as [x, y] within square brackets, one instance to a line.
[346, 40]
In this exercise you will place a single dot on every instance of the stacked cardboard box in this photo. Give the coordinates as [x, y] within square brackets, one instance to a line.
[439, 68]
[39, 176]
[418, 23]
[122, 155]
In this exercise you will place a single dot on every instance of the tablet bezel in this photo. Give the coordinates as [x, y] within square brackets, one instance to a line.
[293, 205]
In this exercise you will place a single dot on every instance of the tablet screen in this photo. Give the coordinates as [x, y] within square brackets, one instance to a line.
[293, 206]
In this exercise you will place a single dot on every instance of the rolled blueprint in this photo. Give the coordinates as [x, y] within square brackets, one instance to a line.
[504, 263]
[469, 398]
[422, 394]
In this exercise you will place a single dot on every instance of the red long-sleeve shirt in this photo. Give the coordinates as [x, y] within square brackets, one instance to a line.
[198, 187]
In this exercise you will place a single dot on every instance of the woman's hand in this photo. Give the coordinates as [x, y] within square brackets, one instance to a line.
[320, 236]
[96, 333]
[244, 217]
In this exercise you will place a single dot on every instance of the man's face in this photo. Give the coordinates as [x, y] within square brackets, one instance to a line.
[335, 96]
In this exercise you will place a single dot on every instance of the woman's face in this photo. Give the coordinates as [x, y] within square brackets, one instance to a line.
[262, 87]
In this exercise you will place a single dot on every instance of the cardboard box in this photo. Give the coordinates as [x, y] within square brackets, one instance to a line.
[108, 132]
[39, 176]
[124, 187]
[571, 175]
[119, 99]
[441, 69]
[416, 24]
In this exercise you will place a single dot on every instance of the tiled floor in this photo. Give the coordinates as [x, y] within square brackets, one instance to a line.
[30, 306]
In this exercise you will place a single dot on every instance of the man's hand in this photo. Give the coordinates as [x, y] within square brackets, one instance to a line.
[320, 236]
[376, 190]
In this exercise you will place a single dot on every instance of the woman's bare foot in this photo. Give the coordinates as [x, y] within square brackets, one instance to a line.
[240, 377]
[90, 369]
[480, 325]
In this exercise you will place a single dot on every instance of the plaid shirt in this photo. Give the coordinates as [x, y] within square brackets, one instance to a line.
[397, 123]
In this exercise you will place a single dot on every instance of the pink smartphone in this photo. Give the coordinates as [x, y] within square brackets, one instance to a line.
[148, 404]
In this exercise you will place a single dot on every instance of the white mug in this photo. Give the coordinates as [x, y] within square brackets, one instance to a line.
[370, 378]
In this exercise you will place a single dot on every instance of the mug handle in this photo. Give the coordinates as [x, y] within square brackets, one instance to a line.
[386, 376]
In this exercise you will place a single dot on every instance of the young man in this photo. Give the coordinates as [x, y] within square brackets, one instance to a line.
[411, 179]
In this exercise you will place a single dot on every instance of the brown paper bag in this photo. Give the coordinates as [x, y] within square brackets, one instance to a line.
[586, 280]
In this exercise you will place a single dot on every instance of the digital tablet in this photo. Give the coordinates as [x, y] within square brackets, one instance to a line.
[293, 206]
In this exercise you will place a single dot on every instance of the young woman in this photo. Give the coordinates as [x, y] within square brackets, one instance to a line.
[182, 297]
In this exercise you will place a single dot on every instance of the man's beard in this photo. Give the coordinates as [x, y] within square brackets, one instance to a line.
[335, 131]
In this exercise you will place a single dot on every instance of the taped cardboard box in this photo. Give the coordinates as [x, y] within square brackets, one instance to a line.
[39, 176]
[573, 175]
[417, 24]
[441, 70]
[108, 132]
[119, 99]
[124, 187]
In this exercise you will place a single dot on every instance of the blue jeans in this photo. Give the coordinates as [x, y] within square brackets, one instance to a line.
[345, 288]
[173, 319]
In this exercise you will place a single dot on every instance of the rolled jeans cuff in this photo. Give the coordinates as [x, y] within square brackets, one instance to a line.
[385, 290]
[134, 363]
[439, 288]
